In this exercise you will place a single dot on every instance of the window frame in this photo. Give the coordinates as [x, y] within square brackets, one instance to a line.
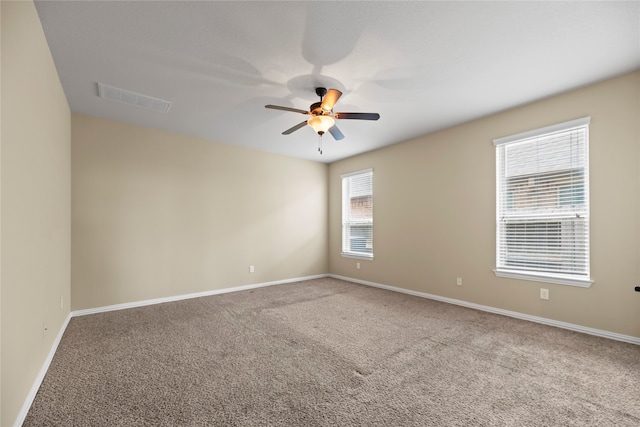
[348, 221]
[502, 184]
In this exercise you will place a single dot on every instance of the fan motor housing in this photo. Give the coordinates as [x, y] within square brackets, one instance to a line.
[316, 109]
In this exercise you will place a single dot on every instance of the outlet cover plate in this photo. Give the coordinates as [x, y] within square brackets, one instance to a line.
[544, 293]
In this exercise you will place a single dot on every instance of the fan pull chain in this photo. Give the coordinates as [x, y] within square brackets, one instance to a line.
[319, 143]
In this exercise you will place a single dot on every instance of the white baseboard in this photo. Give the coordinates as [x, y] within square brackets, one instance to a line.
[188, 296]
[43, 371]
[515, 314]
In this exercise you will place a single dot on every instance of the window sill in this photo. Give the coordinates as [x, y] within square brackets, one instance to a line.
[356, 256]
[560, 280]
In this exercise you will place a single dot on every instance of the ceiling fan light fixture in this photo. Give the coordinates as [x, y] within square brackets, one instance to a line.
[321, 124]
[323, 118]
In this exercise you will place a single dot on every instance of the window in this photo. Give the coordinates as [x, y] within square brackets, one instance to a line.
[542, 213]
[357, 214]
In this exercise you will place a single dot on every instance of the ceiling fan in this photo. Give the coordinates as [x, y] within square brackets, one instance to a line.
[322, 115]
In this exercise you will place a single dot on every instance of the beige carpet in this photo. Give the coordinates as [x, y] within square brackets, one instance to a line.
[332, 353]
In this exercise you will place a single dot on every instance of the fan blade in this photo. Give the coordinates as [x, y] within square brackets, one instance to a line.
[278, 107]
[357, 116]
[335, 133]
[330, 99]
[295, 128]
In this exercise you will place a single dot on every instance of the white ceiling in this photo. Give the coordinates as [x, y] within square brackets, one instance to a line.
[424, 66]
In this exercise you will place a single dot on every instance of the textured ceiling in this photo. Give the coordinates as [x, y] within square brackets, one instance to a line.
[424, 66]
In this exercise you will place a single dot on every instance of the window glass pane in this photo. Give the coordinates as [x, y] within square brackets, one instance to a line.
[542, 209]
[357, 214]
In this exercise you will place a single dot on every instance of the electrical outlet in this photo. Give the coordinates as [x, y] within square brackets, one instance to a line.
[252, 269]
[358, 265]
[544, 293]
[459, 281]
[61, 302]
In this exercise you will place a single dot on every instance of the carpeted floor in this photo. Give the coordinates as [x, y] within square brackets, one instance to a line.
[332, 353]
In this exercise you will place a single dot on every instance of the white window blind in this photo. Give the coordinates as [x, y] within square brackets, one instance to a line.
[542, 214]
[357, 214]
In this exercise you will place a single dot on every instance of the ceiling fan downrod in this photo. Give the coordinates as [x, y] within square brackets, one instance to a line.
[321, 92]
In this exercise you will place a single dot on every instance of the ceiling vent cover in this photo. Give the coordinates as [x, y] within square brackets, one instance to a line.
[128, 97]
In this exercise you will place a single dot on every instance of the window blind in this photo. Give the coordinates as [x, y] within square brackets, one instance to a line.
[542, 214]
[357, 214]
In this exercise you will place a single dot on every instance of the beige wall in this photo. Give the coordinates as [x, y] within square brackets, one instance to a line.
[157, 214]
[35, 211]
[434, 211]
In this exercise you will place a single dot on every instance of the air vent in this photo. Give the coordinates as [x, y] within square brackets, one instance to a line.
[128, 97]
